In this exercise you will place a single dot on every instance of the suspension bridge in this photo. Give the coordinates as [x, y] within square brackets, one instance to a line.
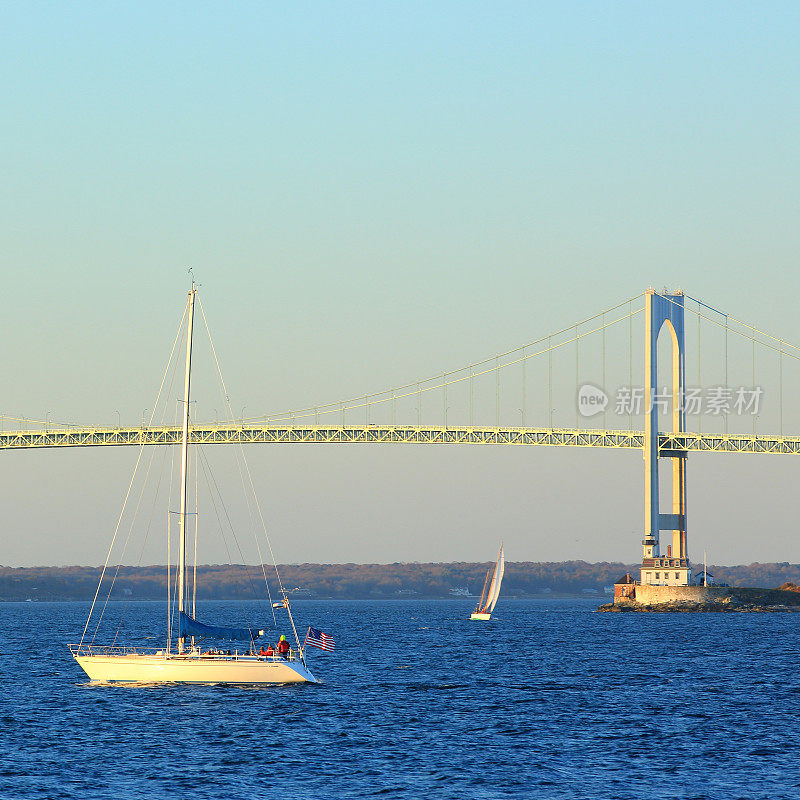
[581, 360]
[339, 423]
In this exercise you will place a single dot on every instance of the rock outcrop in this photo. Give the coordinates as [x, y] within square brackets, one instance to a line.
[722, 600]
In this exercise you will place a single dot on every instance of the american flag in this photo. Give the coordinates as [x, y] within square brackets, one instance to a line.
[319, 639]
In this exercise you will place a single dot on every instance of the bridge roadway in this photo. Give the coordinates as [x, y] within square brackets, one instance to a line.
[216, 433]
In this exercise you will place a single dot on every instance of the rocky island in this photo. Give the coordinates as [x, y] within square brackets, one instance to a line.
[664, 599]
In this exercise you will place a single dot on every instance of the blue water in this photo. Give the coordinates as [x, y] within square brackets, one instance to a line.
[549, 700]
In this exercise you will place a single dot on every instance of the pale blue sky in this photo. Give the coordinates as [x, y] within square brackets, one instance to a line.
[370, 193]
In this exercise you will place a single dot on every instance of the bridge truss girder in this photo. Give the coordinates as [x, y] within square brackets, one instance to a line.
[669, 443]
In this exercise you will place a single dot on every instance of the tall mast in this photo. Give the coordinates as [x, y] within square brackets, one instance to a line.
[185, 466]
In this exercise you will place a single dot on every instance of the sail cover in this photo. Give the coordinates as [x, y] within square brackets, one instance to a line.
[494, 589]
[191, 627]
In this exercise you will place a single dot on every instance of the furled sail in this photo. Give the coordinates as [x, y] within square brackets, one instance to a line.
[494, 589]
[191, 627]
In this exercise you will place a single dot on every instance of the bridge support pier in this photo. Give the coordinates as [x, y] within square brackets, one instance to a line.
[664, 309]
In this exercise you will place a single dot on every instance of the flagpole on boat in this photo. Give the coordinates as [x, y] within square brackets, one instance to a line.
[184, 470]
[294, 629]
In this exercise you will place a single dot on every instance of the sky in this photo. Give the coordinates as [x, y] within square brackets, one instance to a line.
[373, 193]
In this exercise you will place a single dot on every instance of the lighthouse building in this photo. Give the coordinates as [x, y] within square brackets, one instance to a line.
[658, 570]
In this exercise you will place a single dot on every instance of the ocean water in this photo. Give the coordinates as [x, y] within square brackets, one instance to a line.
[548, 700]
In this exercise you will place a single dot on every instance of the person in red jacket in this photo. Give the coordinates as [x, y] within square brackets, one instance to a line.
[283, 647]
[270, 650]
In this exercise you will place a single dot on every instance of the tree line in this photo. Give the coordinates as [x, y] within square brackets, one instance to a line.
[319, 581]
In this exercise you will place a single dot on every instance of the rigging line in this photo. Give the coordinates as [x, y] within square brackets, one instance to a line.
[144, 543]
[286, 415]
[485, 587]
[745, 324]
[196, 523]
[130, 486]
[244, 459]
[486, 360]
[127, 540]
[169, 591]
[206, 472]
[138, 505]
[269, 544]
[152, 512]
[173, 603]
[206, 466]
[226, 401]
[169, 534]
[250, 515]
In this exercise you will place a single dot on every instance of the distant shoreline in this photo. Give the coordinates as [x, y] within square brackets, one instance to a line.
[455, 580]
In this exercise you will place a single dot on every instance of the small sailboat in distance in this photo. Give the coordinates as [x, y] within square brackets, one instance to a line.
[489, 598]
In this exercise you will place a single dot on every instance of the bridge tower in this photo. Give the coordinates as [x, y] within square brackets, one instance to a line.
[664, 309]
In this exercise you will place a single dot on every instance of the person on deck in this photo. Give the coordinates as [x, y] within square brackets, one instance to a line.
[270, 650]
[283, 647]
[262, 651]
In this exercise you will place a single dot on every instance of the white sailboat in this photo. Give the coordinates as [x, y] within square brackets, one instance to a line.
[483, 610]
[189, 662]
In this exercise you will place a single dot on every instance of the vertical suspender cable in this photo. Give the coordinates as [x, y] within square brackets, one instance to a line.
[780, 379]
[550, 381]
[630, 364]
[577, 378]
[725, 419]
[524, 389]
[444, 399]
[754, 381]
[497, 391]
[419, 407]
[605, 425]
[699, 381]
[471, 396]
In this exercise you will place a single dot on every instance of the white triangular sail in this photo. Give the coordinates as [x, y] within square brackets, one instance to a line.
[494, 589]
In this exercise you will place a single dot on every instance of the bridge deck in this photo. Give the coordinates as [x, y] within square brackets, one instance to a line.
[407, 434]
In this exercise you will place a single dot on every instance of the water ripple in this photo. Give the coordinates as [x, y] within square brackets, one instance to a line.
[679, 706]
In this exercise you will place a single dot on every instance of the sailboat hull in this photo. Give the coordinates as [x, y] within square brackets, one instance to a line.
[477, 615]
[142, 668]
